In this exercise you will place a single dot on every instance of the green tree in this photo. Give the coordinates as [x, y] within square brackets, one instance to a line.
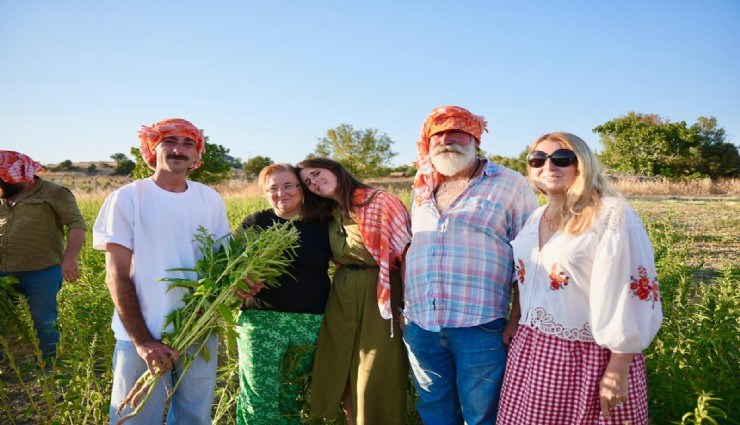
[214, 167]
[66, 165]
[649, 145]
[719, 158]
[234, 162]
[255, 164]
[92, 168]
[118, 157]
[517, 164]
[364, 153]
[124, 166]
[141, 170]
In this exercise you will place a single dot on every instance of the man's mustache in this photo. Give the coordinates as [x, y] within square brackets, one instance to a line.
[181, 157]
[448, 148]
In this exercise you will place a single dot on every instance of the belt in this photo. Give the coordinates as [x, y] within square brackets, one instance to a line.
[359, 266]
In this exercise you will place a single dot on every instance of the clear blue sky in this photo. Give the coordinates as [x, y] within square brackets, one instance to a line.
[78, 78]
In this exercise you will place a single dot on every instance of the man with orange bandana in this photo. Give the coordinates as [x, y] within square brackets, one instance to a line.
[146, 229]
[33, 214]
[459, 270]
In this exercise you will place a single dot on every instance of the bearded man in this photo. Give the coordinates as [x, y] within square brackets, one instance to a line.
[33, 215]
[459, 270]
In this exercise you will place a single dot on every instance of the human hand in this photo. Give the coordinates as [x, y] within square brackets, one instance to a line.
[158, 356]
[254, 289]
[613, 391]
[510, 331]
[399, 318]
[70, 269]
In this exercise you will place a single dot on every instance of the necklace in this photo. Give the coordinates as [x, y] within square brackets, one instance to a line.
[544, 214]
[477, 166]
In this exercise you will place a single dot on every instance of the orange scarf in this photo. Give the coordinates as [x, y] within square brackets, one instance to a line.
[386, 230]
[152, 136]
[16, 167]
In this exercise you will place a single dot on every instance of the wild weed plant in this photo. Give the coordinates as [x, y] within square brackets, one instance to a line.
[704, 413]
[696, 350]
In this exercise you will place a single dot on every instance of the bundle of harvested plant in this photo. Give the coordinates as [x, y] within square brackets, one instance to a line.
[210, 303]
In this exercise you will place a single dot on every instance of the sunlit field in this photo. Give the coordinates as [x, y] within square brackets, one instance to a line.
[697, 244]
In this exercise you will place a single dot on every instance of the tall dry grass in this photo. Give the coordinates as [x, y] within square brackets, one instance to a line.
[630, 185]
[662, 186]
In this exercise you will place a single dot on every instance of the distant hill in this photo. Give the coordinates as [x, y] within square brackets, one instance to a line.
[98, 167]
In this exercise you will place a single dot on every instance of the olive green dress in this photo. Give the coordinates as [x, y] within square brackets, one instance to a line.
[355, 342]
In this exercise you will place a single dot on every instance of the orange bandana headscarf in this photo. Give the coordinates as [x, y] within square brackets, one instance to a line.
[151, 136]
[441, 119]
[16, 167]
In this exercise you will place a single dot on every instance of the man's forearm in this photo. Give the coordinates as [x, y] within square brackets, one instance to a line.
[123, 292]
[129, 310]
[75, 240]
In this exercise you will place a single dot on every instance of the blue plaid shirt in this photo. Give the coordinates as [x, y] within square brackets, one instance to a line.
[459, 267]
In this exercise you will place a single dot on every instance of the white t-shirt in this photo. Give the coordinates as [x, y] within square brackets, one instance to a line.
[598, 286]
[159, 227]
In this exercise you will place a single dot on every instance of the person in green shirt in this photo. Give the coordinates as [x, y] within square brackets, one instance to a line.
[33, 215]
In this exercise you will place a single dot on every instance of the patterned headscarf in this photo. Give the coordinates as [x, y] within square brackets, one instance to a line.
[151, 136]
[16, 167]
[441, 119]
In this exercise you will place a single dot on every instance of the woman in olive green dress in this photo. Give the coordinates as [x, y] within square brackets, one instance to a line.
[360, 358]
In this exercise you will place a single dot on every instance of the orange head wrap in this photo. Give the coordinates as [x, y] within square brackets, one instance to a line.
[151, 136]
[16, 167]
[441, 119]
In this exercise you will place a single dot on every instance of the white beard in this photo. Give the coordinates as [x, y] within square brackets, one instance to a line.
[452, 159]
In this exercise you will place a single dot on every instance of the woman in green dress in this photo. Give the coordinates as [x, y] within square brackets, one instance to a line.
[360, 357]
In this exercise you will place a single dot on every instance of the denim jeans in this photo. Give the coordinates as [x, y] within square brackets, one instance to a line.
[190, 404]
[457, 372]
[40, 287]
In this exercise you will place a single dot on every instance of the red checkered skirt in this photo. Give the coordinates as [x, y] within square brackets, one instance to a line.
[550, 380]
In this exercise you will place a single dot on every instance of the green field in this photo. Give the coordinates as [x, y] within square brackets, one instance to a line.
[696, 241]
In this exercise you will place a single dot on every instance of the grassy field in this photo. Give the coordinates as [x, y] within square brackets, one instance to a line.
[697, 244]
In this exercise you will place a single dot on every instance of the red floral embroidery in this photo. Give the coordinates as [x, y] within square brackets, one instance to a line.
[643, 288]
[558, 280]
[520, 272]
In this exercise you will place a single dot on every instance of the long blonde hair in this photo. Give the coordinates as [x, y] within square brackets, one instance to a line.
[583, 198]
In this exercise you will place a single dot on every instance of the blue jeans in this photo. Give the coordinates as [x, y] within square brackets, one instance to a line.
[457, 372]
[40, 287]
[190, 404]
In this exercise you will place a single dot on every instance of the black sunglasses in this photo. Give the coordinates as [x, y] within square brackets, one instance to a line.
[561, 158]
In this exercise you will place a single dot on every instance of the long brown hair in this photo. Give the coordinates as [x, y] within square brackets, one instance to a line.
[346, 183]
[583, 198]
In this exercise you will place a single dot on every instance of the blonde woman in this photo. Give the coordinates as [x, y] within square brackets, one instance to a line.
[589, 298]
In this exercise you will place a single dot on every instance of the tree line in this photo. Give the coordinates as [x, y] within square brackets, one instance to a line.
[635, 144]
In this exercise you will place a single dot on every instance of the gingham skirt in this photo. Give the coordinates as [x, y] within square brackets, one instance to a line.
[550, 380]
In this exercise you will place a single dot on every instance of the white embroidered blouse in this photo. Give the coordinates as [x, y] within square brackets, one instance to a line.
[599, 286]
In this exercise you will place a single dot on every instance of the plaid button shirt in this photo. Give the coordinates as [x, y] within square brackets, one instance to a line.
[459, 268]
